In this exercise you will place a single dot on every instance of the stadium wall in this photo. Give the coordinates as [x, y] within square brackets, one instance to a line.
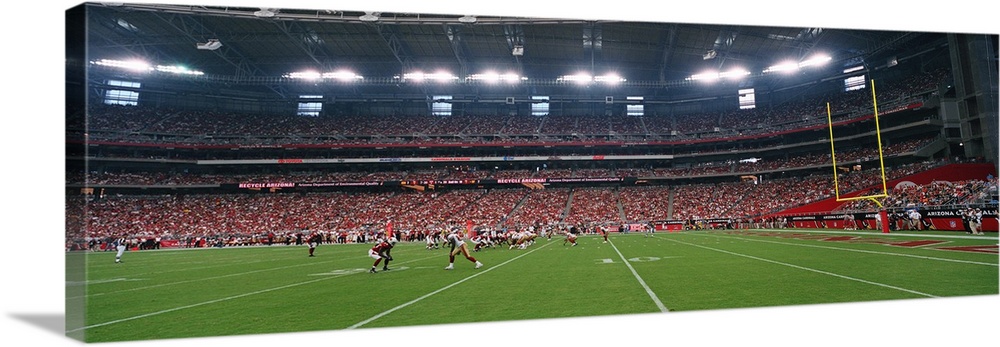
[944, 219]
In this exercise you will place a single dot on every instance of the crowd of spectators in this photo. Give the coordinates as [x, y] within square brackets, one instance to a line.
[162, 125]
[847, 156]
[592, 173]
[541, 207]
[522, 124]
[645, 203]
[593, 205]
[554, 173]
[689, 200]
[936, 193]
[249, 219]
[774, 195]
[357, 215]
[492, 207]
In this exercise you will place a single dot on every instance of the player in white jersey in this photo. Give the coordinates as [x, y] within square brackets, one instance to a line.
[522, 239]
[849, 222]
[914, 220]
[513, 238]
[433, 238]
[530, 238]
[570, 236]
[120, 245]
[458, 246]
[976, 221]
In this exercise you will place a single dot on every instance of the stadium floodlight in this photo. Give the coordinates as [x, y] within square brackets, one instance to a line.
[414, 76]
[441, 77]
[609, 79]
[817, 60]
[714, 76]
[489, 77]
[133, 65]
[704, 76]
[345, 76]
[791, 66]
[306, 75]
[177, 69]
[342, 75]
[494, 78]
[436, 76]
[580, 78]
[783, 67]
[734, 74]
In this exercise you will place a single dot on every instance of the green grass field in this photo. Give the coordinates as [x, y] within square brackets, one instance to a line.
[181, 293]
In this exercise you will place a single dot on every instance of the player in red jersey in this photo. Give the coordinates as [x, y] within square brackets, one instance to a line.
[313, 241]
[480, 240]
[458, 245]
[381, 251]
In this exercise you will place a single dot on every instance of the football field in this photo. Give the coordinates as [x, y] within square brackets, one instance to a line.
[179, 293]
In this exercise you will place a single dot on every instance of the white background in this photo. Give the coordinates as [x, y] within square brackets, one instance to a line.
[33, 237]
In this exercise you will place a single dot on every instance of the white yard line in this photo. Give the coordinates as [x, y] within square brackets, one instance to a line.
[806, 268]
[649, 291]
[199, 304]
[425, 296]
[853, 250]
[192, 281]
[219, 262]
[217, 300]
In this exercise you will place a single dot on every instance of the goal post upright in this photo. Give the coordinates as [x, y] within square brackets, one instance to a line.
[833, 152]
[878, 136]
[881, 161]
[881, 164]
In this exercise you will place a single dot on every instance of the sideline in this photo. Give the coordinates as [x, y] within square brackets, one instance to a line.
[852, 250]
[876, 232]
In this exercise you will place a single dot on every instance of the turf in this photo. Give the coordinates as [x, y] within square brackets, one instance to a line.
[179, 293]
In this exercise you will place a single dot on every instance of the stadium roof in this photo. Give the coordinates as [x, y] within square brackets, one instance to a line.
[272, 42]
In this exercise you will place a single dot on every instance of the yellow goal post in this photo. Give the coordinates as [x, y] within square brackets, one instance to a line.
[881, 161]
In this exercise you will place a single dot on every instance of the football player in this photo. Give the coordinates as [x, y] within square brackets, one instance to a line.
[381, 251]
[458, 246]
